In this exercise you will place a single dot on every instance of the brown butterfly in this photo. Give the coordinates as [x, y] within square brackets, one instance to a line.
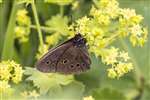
[70, 57]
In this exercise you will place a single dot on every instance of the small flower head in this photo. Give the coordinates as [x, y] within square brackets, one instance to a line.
[21, 33]
[4, 87]
[123, 68]
[24, 94]
[5, 71]
[75, 5]
[42, 50]
[138, 35]
[22, 18]
[110, 56]
[10, 70]
[30, 94]
[112, 73]
[128, 13]
[88, 98]
[52, 39]
[22, 28]
[34, 94]
[124, 55]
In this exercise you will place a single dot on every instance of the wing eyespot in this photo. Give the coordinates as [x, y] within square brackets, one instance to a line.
[71, 66]
[83, 64]
[47, 62]
[65, 61]
[77, 64]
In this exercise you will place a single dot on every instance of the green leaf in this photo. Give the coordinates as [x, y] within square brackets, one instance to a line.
[47, 82]
[58, 24]
[7, 52]
[72, 91]
[107, 94]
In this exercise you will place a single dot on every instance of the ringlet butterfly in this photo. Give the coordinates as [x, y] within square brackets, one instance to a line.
[70, 57]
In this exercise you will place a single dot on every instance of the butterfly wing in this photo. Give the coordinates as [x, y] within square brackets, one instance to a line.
[74, 60]
[48, 62]
[68, 58]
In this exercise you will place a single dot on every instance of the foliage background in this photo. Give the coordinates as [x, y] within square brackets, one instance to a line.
[133, 86]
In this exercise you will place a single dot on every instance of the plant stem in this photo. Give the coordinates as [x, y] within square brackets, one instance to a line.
[7, 52]
[61, 10]
[3, 20]
[44, 28]
[37, 22]
[111, 39]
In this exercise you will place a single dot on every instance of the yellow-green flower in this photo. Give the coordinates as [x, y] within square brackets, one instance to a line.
[30, 94]
[21, 33]
[112, 73]
[10, 70]
[128, 13]
[88, 98]
[34, 94]
[22, 28]
[119, 61]
[111, 56]
[42, 50]
[138, 35]
[25, 94]
[82, 25]
[5, 71]
[22, 18]
[123, 68]
[18, 72]
[4, 87]
[52, 39]
[124, 55]
[136, 30]
[137, 19]
[109, 7]
[75, 5]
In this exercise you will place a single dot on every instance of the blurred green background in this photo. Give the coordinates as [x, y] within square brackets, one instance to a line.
[95, 82]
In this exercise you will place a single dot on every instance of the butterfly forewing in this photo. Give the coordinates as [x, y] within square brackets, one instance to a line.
[48, 62]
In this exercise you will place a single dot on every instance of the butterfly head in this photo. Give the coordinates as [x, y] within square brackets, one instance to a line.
[79, 41]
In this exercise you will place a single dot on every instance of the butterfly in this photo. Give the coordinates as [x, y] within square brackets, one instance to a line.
[70, 57]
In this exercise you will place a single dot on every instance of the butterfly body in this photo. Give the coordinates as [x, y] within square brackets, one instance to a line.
[71, 57]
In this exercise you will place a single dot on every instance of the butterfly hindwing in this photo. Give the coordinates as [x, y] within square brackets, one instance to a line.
[72, 61]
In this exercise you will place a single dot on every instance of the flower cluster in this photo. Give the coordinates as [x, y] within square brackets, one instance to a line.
[22, 28]
[118, 60]
[130, 26]
[30, 94]
[105, 23]
[9, 71]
